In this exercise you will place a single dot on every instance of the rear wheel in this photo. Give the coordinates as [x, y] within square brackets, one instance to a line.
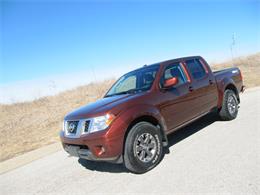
[143, 148]
[229, 107]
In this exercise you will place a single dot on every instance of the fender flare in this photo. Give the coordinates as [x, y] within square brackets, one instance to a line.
[133, 114]
[225, 84]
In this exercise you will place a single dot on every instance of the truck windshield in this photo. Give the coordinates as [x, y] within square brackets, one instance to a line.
[133, 82]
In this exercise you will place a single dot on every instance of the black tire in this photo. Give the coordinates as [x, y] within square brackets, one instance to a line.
[133, 160]
[229, 109]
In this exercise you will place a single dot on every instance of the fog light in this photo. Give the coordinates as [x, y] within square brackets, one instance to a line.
[100, 150]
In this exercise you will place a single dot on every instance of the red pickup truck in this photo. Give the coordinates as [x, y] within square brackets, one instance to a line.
[131, 123]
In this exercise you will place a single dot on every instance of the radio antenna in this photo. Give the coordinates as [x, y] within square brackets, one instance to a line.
[232, 46]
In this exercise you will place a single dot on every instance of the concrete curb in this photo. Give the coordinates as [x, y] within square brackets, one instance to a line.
[28, 157]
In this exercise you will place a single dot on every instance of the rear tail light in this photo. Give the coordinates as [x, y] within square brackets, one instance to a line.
[240, 74]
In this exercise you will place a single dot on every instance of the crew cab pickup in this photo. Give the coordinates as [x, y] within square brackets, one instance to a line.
[131, 122]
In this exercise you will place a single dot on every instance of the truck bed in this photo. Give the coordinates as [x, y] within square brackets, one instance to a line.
[227, 70]
[229, 73]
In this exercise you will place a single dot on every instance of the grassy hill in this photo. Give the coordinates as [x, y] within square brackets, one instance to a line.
[249, 65]
[30, 125]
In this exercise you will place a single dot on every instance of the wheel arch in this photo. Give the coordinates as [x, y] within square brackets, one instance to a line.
[223, 85]
[150, 119]
[233, 88]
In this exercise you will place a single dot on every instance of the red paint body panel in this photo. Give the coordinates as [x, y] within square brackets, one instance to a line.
[170, 108]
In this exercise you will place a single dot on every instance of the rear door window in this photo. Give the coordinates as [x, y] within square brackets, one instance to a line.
[196, 68]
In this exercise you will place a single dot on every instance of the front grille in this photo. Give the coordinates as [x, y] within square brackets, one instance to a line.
[72, 127]
[86, 126]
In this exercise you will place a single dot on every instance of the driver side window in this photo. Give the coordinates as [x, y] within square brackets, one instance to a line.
[175, 70]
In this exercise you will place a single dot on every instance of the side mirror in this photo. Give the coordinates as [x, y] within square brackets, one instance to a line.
[170, 82]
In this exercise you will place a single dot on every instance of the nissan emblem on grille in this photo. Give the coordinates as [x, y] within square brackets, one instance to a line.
[72, 126]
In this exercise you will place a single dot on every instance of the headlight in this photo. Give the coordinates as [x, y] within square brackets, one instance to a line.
[101, 122]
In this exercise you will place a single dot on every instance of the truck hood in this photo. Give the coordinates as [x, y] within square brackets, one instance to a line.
[101, 107]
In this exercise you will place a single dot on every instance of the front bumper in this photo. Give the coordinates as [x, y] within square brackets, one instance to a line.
[78, 151]
[105, 145]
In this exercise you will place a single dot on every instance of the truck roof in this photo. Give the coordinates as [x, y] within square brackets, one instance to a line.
[166, 62]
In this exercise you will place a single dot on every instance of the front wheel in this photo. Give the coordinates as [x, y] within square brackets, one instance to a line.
[229, 107]
[143, 148]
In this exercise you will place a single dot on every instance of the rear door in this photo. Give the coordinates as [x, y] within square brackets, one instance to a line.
[203, 86]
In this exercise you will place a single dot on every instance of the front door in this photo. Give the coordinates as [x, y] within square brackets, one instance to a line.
[177, 101]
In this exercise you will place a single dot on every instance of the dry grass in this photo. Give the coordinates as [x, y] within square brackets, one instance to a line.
[250, 67]
[27, 126]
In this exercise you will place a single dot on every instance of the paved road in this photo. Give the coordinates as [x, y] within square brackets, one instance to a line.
[208, 156]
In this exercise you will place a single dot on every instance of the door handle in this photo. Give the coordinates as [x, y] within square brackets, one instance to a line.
[190, 88]
[210, 82]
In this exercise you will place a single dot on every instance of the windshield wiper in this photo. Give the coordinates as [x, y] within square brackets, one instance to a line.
[131, 91]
